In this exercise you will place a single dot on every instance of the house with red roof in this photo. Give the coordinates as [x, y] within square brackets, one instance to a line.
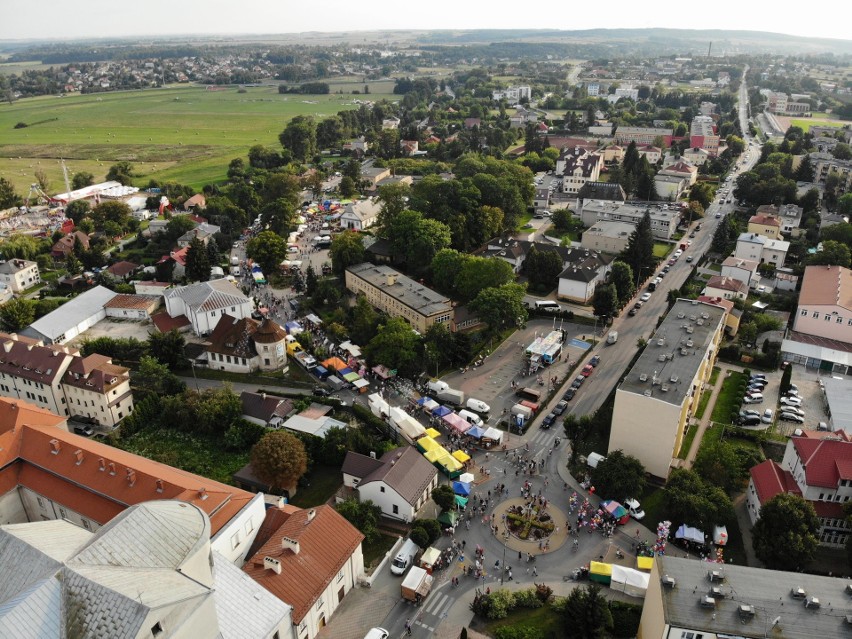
[818, 467]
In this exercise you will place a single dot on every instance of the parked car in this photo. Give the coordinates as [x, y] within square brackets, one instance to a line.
[560, 407]
[791, 401]
[793, 387]
[578, 381]
[568, 395]
[767, 416]
[791, 417]
[792, 393]
[633, 311]
[748, 411]
[595, 361]
[81, 429]
[795, 410]
[749, 420]
[588, 369]
[634, 508]
[319, 391]
[755, 376]
[757, 398]
[688, 259]
[548, 420]
[645, 297]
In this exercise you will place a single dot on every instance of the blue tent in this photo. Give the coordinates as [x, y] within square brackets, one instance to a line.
[475, 431]
[441, 411]
[461, 488]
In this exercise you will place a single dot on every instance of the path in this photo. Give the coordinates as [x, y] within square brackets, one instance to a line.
[704, 424]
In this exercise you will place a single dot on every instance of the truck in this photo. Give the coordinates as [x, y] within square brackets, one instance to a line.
[529, 393]
[450, 396]
[523, 411]
[612, 338]
[436, 385]
[416, 585]
[404, 558]
[235, 260]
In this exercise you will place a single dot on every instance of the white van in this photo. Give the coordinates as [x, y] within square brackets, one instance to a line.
[478, 406]
[471, 418]
[547, 305]
[405, 557]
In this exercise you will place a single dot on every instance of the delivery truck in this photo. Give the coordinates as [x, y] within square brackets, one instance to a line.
[416, 585]
[450, 396]
[405, 557]
[436, 385]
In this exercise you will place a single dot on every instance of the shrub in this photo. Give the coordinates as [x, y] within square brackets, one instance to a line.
[519, 632]
[528, 598]
[420, 537]
[431, 527]
[21, 125]
[625, 618]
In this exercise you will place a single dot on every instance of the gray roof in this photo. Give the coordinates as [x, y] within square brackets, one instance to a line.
[404, 289]
[838, 394]
[12, 266]
[768, 591]
[57, 323]
[406, 471]
[209, 296]
[602, 191]
[681, 341]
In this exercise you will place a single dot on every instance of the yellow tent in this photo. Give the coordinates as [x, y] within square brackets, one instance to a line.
[427, 443]
[436, 454]
[431, 432]
[645, 563]
[598, 568]
[449, 462]
[461, 456]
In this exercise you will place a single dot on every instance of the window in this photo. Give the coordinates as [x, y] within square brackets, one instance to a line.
[839, 320]
[381, 489]
[395, 509]
[86, 524]
[249, 526]
[235, 540]
[804, 312]
[157, 629]
[63, 513]
[827, 317]
[40, 502]
[815, 315]
[340, 575]
[319, 603]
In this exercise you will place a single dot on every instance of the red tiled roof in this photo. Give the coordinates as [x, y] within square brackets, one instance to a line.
[826, 461]
[128, 300]
[326, 543]
[164, 323]
[765, 220]
[770, 480]
[828, 509]
[120, 269]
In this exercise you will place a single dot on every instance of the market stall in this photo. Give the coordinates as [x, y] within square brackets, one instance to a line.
[616, 511]
[690, 534]
[425, 444]
[492, 434]
[629, 581]
[461, 488]
[600, 572]
[459, 424]
[461, 456]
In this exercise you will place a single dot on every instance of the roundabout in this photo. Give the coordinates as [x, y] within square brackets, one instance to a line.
[528, 526]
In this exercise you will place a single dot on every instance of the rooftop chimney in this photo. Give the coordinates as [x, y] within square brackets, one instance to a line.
[290, 544]
[390, 279]
[202, 493]
[270, 563]
[54, 447]
[131, 477]
[79, 455]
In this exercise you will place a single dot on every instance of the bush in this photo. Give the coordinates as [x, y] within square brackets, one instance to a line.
[518, 632]
[528, 599]
[432, 527]
[21, 125]
[420, 537]
[625, 618]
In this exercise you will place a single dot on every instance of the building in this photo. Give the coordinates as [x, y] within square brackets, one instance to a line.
[780, 104]
[73, 318]
[643, 136]
[661, 392]
[204, 303]
[360, 215]
[611, 191]
[817, 466]
[178, 257]
[577, 167]
[19, 275]
[742, 270]
[696, 157]
[400, 482]
[98, 390]
[826, 164]
[47, 473]
[373, 175]
[664, 217]
[149, 572]
[761, 249]
[65, 245]
[670, 187]
[681, 169]
[246, 345]
[123, 269]
[132, 307]
[203, 232]
[309, 559]
[751, 603]
[765, 224]
[825, 303]
[791, 219]
[650, 152]
[265, 410]
[728, 288]
[703, 134]
[582, 275]
[607, 237]
[513, 94]
[732, 314]
[399, 296]
[611, 153]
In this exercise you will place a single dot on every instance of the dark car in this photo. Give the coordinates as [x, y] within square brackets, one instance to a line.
[748, 420]
[548, 420]
[86, 431]
[578, 381]
[633, 311]
[595, 361]
[319, 391]
[568, 395]
[560, 407]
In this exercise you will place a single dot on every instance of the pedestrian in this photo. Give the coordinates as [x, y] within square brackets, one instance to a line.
[408, 627]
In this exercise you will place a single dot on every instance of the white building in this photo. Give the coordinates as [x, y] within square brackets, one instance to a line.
[72, 318]
[205, 303]
[726, 288]
[361, 215]
[751, 246]
[513, 94]
[577, 282]
[400, 482]
[741, 269]
[664, 217]
[607, 237]
[19, 275]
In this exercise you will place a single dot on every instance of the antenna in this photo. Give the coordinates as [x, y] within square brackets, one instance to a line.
[709, 48]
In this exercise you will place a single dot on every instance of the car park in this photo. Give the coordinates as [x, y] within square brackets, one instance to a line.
[568, 395]
[595, 361]
[560, 407]
[791, 417]
[588, 369]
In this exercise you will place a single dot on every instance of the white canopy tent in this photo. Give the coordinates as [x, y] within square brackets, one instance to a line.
[629, 581]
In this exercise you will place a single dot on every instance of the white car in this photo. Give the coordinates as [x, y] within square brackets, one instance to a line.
[754, 398]
[645, 297]
[767, 416]
[377, 633]
[634, 508]
[791, 401]
[795, 410]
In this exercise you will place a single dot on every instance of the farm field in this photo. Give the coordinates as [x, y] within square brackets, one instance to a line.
[187, 134]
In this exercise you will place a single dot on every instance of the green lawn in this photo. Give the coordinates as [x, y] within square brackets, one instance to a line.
[374, 551]
[652, 501]
[690, 434]
[661, 249]
[324, 482]
[807, 123]
[717, 268]
[185, 133]
[729, 398]
[545, 620]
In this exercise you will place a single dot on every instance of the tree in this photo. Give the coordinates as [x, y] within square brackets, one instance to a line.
[691, 500]
[396, 345]
[267, 249]
[348, 188]
[542, 269]
[832, 254]
[73, 265]
[478, 273]
[786, 378]
[446, 267]
[416, 240]
[702, 193]
[364, 515]
[77, 210]
[17, 313]
[330, 132]
[347, 249]
[842, 151]
[81, 180]
[364, 321]
[785, 535]
[197, 261]
[619, 476]
[300, 137]
[394, 200]
[121, 172]
[8, 197]
[605, 301]
[718, 464]
[501, 307]
[639, 253]
[621, 277]
[168, 348]
[438, 346]
[587, 614]
[722, 236]
[279, 459]
[111, 211]
[443, 496]
[844, 204]
[805, 171]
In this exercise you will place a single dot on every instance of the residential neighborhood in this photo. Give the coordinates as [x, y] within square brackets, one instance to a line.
[484, 334]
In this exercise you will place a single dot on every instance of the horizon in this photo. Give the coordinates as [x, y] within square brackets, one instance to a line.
[98, 19]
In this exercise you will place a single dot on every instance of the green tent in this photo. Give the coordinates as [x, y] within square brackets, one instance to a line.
[448, 518]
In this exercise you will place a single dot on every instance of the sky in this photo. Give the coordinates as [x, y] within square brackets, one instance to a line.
[63, 19]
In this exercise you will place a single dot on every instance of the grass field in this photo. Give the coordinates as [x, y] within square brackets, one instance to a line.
[729, 399]
[187, 134]
[661, 249]
[807, 123]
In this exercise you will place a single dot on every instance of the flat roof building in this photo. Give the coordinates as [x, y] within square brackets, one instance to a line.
[72, 318]
[659, 394]
[399, 296]
[664, 217]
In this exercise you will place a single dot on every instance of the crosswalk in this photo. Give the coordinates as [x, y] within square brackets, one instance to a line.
[435, 610]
